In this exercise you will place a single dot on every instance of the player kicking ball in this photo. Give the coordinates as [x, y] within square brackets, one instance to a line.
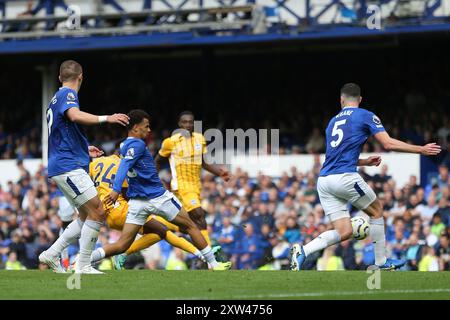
[147, 194]
[103, 171]
[339, 182]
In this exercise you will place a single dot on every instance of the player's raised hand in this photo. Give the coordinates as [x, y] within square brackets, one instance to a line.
[373, 161]
[431, 149]
[111, 198]
[95, 152]
[119, 118]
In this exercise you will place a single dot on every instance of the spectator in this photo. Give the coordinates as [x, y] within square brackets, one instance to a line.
[316, 142]
[429, 261]
[13, 263]
[443, 252]
[226, 237]
[346, 251]
[437, 226]
[329, 261]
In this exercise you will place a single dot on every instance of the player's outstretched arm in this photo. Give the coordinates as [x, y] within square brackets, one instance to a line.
[370, 161]
[216, 170]
[392, 144]
[76, 115]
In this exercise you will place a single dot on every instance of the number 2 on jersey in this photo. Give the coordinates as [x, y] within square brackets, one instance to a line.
[337, 131]
[49, 120]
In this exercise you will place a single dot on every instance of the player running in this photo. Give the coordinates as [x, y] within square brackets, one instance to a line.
[68, 162]
[185, 150]
[103, 171]
[339, 182]
[147, 194]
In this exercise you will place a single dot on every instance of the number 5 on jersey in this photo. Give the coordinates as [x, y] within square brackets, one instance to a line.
[337, 131]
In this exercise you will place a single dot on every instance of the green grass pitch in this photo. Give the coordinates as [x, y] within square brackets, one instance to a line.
[239, 285]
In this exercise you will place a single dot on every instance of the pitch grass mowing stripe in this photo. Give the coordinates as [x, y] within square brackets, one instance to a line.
[261, 285]
[337, 294]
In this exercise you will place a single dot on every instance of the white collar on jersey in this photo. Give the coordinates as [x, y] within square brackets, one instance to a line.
[349, 107]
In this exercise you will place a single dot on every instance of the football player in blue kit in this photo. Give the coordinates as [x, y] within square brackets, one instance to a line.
[339, 182]
[147, 195]
[68, 166]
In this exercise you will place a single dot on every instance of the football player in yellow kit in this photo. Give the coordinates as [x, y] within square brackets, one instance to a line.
[185, 150]
[102, 171]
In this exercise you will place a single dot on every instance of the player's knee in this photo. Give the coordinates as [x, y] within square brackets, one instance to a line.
[99, 212]
[198, 217]
[377, 209]
[346, 233]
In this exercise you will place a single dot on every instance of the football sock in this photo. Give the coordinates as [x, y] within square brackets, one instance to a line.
[70, 235]
[209, 256]
[379, 240]
[89, 235]
[97, 255]
[206, 236]
[323, 241]
[143, 242]
[183, 244]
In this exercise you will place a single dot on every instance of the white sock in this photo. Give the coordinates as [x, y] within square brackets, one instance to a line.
[379, 240]
[199, 255]
[69, 235]
[209, 256]
[97, 255]
[89, 235]
[324, 240]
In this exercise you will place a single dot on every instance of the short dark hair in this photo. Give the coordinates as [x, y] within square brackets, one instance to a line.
[69, 70]
[186, 112]
[136, 117]
[351, 90]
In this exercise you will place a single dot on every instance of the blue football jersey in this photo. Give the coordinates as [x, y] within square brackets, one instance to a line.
[68, 147]
[138, 168]
[345, 136]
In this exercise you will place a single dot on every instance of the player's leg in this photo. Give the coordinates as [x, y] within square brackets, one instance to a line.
[77, 188]
[129, 232]
[66, 213]
[335, 209]
[366, 200]
[169, 207]
[378, 235]
[136, 217]
[154, 231]
[191, 202]
[94, 211]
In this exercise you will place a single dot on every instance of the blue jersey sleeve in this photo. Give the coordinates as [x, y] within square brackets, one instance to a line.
[69, 100]
[373, 123]
[131, 153]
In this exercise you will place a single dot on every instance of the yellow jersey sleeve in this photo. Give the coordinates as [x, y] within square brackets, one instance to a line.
[204, 148]
[166, 148]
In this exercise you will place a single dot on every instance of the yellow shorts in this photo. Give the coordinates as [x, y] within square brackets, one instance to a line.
[189, 199]
[117, 216]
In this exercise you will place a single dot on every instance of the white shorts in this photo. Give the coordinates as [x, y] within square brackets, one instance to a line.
[66, 210]
[166, 206]
[335, 191]
[77, 186]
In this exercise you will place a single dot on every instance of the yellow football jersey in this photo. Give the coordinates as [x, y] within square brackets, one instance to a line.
[102, 171]
[185, 157]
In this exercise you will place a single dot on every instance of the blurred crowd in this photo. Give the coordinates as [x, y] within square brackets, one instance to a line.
[254, 220]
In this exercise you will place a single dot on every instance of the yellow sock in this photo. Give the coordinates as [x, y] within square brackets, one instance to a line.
[145, 241]
[206, 236]
[181, 243]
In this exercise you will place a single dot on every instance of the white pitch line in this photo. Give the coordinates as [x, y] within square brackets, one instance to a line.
[322, 294]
